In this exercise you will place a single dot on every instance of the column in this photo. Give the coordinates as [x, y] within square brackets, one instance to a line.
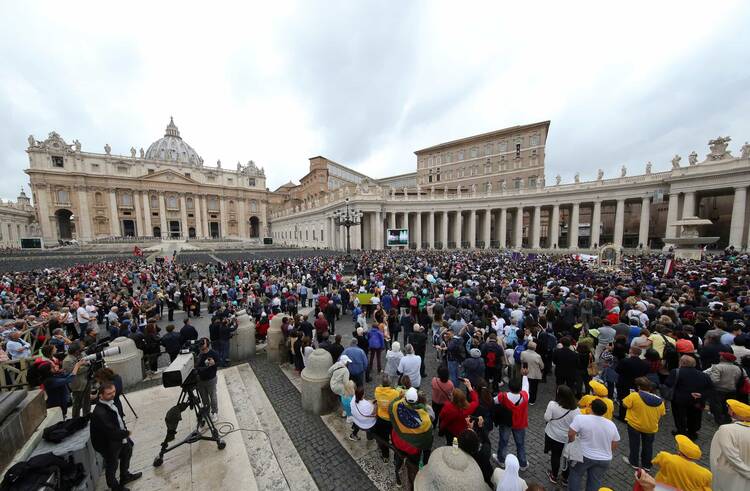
[536, 227]
[224, 232]
[379, 230]
[204, 211]
[518, 228]
[502, 233]
[472, 229]
[458, 228]
[242, 221]
[198, 217]
[163, 216]
[444, 230]
[737, 225]
[418, 229]
[183, 216]
[619, 222]
[644, 223]
[596, 224]
[139, 228]
[147, 230]
[487, 228]
[84, 216]
[674, 202]
[688, 205]
[431, 229]
[573, 229]
[114, 214]
[554, 227]
[43, 206]
[391, 219]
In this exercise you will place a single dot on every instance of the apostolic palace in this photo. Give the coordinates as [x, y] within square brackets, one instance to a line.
[485, 191]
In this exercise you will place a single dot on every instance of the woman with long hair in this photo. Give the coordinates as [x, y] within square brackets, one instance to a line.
[442, 391]
[364, 415]
[559, 415]
[454, 413]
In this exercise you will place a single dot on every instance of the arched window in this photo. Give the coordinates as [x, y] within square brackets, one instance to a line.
[172, 202]
[98, 199]
[189, 203]
[126, 199]
[231, 205]
[253, 205]
[154, 202]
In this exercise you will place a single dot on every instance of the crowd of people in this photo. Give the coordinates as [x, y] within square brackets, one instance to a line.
[630, 345]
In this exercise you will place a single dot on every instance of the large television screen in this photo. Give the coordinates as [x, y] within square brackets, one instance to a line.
[398, 237]
[32, 243]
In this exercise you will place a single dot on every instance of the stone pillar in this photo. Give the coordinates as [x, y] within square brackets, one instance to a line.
[502, 232]
[573, 229]
[536, 227]
[276, 346]
[644, 223]
[450, 469]
[43, 206]
[458, 228]
[472, 229]
[619, 223]
[242, 221]
[147, 228]
[444, 230]
[688, 205]
[139, 227]
[391, 219]
[242, 345]
[317, 397]
[224, 232]
[379, 230]
[183, 216]
[204, 211]
[418, 229]
[197, 211]
[487, 228]
[554, 227]
[114, 214]
[518, 228]
[163, 216]
[672, 212]
[737, 224]
[431, 229]
[84, 216]
[596, 224]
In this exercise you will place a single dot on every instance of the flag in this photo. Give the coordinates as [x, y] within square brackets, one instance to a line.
[411, 423]
[137, 251]
[668, 267]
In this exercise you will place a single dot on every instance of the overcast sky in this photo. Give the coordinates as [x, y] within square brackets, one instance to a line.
[368, 83]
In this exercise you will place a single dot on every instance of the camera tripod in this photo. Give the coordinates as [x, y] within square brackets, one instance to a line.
[189, 398]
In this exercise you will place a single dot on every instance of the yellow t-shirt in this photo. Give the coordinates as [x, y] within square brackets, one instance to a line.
[681, 473]
[641, 416]
[657, 342]
[384, 396]
[585, 405]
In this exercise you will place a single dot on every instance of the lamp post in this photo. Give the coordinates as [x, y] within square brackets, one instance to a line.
[347, 217]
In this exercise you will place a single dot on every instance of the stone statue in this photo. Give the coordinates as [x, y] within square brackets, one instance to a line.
[458, 191]
[365, 186]
[474, 189]
[489, 188]
[623, 171]
[77, 145]
[432, 191]
[406, 193]
[648, 168]
[599, 175]
[745, 151]
[503, 186]
[693, 158]
[393, 192]
[557, 180]
[445, 191]
[577, 178]
[32, 141]
[143, 153]
[239, 166]
[218, 163]
[107, 149]
[419, 191]
[676, 162]
[132, 152]
[718, 148]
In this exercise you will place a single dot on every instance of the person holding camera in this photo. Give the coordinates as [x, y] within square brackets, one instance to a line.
[111, 438]
[80, 386]
[206, 366]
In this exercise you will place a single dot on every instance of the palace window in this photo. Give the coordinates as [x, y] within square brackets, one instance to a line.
[98, 199]
[429, 161]
[230, 180]
[126, 199]
[187, 174]
[154, 201]
[460, 155]
[63, 196]
[189, 203]
[488, 149]
[487, 168]
[253, 206]
[95, 167]
[57, 161]
[518, 150]
[517, 183]
[474, 152]
[502, 147]
[251, 182]
[534, 140]
[151, 171]
[438, 160]
[532, 181]
[213, 203]
[172, 202]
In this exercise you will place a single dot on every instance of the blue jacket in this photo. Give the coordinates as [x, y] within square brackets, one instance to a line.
[359, 360]
[375, 338]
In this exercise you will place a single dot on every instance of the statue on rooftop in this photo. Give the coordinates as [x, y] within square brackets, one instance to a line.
[676, 162]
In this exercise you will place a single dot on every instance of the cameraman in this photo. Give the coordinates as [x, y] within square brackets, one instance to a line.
[206, 366]
[81, 385]
[226, 331]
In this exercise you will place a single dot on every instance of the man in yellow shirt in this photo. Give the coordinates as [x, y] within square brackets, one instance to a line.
[645, 408]
[680, 470]
[384, 395]
[600, 392]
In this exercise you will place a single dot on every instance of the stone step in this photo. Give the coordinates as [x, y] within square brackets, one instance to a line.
[275, 461]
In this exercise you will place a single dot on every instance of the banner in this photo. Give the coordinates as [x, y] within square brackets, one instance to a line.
[137, 251]
[364, 298]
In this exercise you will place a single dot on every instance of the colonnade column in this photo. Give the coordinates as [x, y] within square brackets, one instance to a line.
[84, 234]
[458, 228]
[391, 219]
[472, 229]
[536, 227]
[379, 229]
[198, 217]
[487, 228]
[596, 222]
[224, 232]
[329, 232]
[672, 212]
[147, 229]
[139, 228]
[163, 216]
[573, 228]
[418, 229]
[688, 205]
[502, 222]
[554, 227]
[737, 224]
[115, 215]
[444, 230]
[204, 212]
[619, 222]
[183, 216]
[431, 229]
[644, 224]
[518, 226]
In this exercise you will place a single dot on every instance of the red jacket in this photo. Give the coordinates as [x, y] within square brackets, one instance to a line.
[520, 411]
[453, 419]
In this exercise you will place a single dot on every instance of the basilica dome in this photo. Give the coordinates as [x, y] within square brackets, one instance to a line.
[173, 148]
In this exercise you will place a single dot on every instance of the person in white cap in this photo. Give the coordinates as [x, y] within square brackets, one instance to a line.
[339, 374]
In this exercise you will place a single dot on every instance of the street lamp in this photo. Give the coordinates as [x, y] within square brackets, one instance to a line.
[347, 217]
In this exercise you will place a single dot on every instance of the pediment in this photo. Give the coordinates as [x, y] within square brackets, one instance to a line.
[169, 176]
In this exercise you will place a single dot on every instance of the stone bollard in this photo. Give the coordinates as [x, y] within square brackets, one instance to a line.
[242, 344]
[450, 469]
[129, 363]
[317, 397]
[276, 344]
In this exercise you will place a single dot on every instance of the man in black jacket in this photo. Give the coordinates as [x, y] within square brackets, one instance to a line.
[628, 370]
[111, 438]
[188, 332]
[566, 365]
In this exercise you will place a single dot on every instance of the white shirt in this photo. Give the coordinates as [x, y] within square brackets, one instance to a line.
[409, 366]
[361, 413]
[13, 347]
[83, 315]
[558, 421]
[596, 434]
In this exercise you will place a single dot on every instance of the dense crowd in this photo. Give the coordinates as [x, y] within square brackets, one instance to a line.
[627, 343]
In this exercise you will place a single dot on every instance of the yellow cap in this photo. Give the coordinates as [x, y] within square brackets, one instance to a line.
[687, 447]
[599, 388]
[739, 408]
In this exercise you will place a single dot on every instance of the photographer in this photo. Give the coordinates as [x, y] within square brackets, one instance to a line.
[206, 366]
[226, 331]
[111, 438]
[80, 386]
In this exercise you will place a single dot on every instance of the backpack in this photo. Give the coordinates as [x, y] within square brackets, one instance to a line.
[518, 350]
[40, 471]
[670, 354]
[63, 429]
[636, 317]
[491, 359]
[512, 339]
[501, 415]
[34, 375]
